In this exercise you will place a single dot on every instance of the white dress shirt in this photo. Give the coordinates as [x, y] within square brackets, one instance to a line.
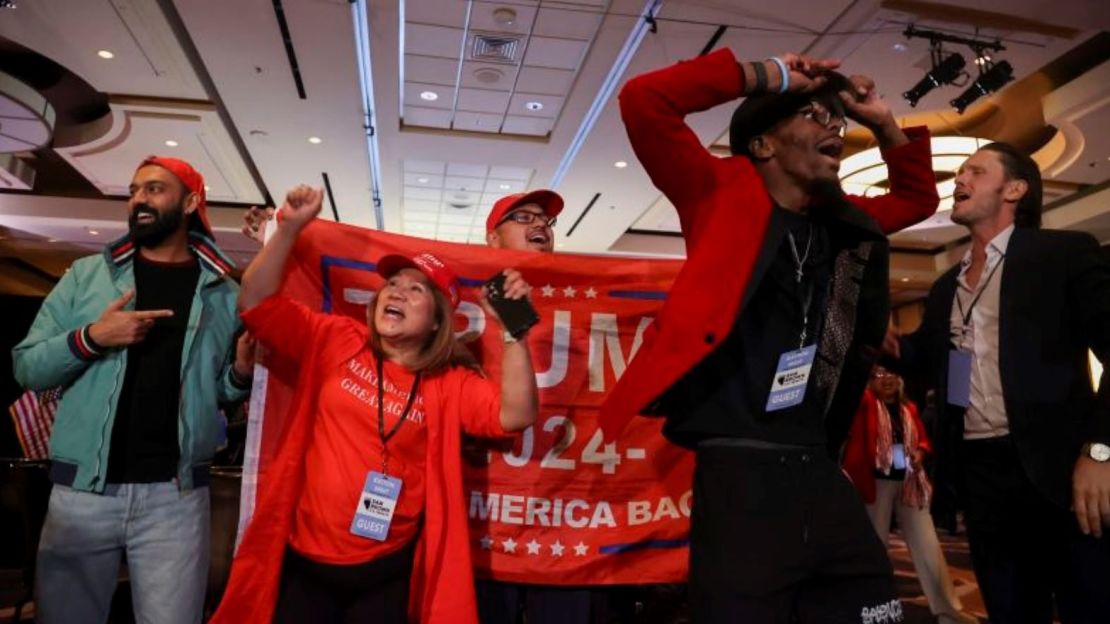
[986, 414]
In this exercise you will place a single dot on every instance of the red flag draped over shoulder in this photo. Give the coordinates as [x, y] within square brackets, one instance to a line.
[557, 506]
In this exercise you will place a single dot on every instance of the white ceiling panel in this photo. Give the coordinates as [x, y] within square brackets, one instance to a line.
[483, 101]
[555, 53]
[531, 126]
[430, 69]
[468, 170]
[459, 183]
[545, 81]
[575, 24]
[436, 13]
[429, 194]
[472, 71]
[417, 116]
[437, 41]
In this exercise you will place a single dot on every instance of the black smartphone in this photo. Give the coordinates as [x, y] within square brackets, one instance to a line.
[517, 315]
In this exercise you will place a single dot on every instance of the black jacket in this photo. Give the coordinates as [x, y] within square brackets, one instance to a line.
[1054, 305]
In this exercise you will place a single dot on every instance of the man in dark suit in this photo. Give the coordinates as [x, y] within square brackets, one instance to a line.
[1022, 434]
[768, 334]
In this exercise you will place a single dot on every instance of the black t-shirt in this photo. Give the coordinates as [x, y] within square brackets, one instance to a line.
[726, 394]
[145, 446]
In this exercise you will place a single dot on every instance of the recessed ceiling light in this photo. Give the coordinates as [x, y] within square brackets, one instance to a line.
[620, 164]
[422, 180]
[315, 140]
[171, 143]
[503, 187]
[207, 188]
[905, 279]
[430, 96]
[900, 47]
[534, 106]
[94, 232]
[105, 54]
[504, 16]
[51, 240]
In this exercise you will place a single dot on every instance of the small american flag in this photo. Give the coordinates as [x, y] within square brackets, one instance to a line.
[33, 415]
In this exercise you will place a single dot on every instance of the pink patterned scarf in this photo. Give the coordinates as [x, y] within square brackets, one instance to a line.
[916, 489]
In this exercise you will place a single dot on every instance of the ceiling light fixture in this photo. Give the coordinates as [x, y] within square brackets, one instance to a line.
[620, 164]
[429, 96]
[944, 72]
[503, 187]
[534, 106]
[315, 140]
[989, 81]
[171, 143]
[94, 232]
[105, 54]
[422, 180]
[504, 16]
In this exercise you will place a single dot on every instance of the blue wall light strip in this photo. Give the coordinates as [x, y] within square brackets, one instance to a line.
[360, 15]
[612, 81]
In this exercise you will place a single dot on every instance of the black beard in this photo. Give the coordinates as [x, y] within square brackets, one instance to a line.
[152, 234]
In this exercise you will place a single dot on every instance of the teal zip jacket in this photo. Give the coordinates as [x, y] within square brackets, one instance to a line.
[57, 352]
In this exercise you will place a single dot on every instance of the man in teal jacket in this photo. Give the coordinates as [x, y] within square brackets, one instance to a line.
[142, 340]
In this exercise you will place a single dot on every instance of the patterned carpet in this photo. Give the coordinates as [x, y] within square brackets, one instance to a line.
[959, 566]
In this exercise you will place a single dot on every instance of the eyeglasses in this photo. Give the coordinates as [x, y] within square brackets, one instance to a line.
[524, 217]
[824, 117]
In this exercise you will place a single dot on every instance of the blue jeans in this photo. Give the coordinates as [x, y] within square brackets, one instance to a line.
[163, 532]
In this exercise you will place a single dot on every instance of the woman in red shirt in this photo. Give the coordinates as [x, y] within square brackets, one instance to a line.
[883, 457]
[372, 525]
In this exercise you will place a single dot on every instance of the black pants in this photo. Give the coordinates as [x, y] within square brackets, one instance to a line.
[782, 536]
[1026, 551]
[376, 591]
[505, 603]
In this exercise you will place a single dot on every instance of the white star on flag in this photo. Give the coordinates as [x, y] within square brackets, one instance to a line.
[591, 293]
[533, 547]
[509, 545]
[580, 549]
[548, 290]
[486, 542]
[557, 549]
[569, 291]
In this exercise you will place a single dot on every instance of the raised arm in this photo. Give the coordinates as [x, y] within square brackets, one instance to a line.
[913, 189]
[520, 399]
[263, 276]
[654, 107]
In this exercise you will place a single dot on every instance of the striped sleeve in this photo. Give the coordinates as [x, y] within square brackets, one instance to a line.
[83, 346]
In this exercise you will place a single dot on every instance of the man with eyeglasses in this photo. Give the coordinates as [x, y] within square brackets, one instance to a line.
[524, 221]
[763, 349]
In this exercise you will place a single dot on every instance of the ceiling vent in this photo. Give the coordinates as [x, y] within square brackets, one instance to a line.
[495, 48]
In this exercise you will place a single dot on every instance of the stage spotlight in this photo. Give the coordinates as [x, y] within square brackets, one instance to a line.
[942, 73]
[990, 81]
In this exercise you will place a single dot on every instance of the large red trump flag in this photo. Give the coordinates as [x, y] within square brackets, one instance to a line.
[556, 505]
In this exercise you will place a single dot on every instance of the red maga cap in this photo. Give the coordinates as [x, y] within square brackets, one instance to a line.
[432, 267]
[192, 180]
[550, 201]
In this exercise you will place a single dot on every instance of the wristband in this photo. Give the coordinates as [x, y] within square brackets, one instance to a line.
[760, 78]
[782, 70]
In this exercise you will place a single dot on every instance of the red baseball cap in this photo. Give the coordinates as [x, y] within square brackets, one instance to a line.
[192, 180]
[432, 267]
[550, 201]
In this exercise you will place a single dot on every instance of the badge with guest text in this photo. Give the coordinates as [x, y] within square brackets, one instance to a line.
[789, 386]
[376, 506]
